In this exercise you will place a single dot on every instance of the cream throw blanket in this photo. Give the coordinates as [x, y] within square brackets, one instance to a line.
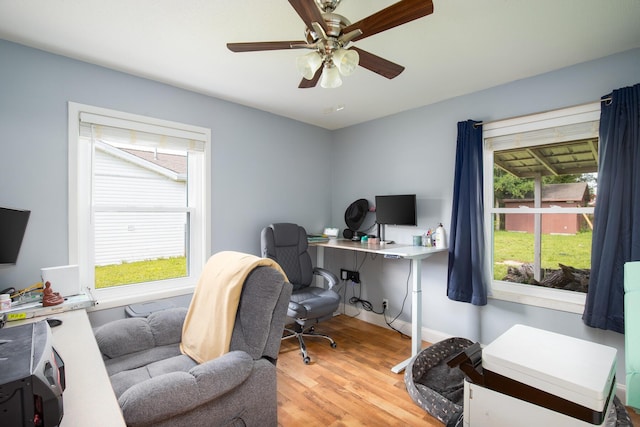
[207, 329]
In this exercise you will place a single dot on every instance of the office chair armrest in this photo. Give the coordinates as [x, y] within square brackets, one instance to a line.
[296, 310]
[331, 278]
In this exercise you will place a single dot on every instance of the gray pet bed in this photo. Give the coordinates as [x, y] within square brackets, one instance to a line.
[434, 386]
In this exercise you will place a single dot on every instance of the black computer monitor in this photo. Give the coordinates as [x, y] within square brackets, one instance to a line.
[396, 209]
[13, 224]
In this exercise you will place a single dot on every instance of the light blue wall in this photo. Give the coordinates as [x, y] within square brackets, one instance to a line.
[255, 182]
[260, 170]
[414, 152]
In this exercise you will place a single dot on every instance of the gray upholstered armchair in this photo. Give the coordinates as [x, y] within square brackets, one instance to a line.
[287, 244]
[157, 385]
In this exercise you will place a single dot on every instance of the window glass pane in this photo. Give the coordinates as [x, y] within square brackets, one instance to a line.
[135, 177]
[549, 248]
[565, 258]
[136, 247]
[135, 239]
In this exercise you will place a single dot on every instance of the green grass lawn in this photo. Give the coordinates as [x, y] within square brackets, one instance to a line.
[140, 271]
[572, 250]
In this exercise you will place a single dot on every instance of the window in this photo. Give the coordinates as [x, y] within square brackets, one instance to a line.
[138, 203]
[540, 175]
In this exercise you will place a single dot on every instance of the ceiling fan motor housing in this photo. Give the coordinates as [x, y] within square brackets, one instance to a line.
[334, 24]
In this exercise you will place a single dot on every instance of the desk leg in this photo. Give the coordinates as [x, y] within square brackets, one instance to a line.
[320, 264]
[416, 315]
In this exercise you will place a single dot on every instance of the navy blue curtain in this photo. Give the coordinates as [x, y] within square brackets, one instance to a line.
[616, 229]
[466, 281]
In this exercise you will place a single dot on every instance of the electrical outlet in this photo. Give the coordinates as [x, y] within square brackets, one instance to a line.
[354, 276]
[385, 303]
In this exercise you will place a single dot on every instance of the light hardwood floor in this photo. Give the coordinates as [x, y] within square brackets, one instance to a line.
[351, 385]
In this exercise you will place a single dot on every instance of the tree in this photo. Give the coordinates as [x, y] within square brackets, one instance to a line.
[508, 186]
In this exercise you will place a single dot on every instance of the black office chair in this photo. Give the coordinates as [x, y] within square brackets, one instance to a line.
[287, 245]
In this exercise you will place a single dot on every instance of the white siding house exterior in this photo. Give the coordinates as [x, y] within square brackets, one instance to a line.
[126, 179]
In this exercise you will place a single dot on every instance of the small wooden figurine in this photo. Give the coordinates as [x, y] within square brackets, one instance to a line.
[49, 297]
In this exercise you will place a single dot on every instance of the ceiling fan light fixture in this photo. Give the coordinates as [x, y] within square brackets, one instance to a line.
[330, 77]
[328, 33]
[346, 61]
[308, 64]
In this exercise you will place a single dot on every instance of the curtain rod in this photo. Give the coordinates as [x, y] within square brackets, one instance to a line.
[606, 100]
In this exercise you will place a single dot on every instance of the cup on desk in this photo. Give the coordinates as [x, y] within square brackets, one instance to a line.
[417, 240]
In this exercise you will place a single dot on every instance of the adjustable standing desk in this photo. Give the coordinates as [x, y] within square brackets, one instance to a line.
[413, 253]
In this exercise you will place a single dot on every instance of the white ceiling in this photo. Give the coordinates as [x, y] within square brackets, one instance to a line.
[463, 47]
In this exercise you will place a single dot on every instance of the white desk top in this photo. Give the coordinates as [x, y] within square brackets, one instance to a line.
[88, 399]
[400, 250]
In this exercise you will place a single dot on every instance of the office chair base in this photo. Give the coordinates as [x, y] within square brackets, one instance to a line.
[310, 332]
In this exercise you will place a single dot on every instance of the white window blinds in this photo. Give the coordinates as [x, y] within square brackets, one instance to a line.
[552, 135]
[132, 132]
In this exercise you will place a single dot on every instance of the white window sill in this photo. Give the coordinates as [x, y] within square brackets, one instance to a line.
[123, 296]
[555, 299]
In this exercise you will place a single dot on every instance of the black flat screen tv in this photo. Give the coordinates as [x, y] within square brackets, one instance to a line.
[396, 210]
[13, 224]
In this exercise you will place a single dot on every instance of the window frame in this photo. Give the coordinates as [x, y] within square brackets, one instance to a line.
[556, 299]
[81, 240]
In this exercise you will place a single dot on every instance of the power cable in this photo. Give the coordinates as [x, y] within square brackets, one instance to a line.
[367, 305]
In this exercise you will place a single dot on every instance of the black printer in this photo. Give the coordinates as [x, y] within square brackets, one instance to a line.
[31, 377]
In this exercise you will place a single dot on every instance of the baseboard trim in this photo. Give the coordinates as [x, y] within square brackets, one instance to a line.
[429, 335]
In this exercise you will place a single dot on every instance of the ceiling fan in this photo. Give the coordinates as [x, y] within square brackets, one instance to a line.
[327, 35]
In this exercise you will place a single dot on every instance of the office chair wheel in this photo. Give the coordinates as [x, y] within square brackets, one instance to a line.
[333, 345]
[306, 360]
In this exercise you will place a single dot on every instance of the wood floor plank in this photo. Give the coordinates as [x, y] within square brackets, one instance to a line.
[350, 385]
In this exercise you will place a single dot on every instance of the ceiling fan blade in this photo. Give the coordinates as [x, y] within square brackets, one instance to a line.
[377, 64]
[309, 12]
[257, 46]
[397, 14]
[306, 84]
